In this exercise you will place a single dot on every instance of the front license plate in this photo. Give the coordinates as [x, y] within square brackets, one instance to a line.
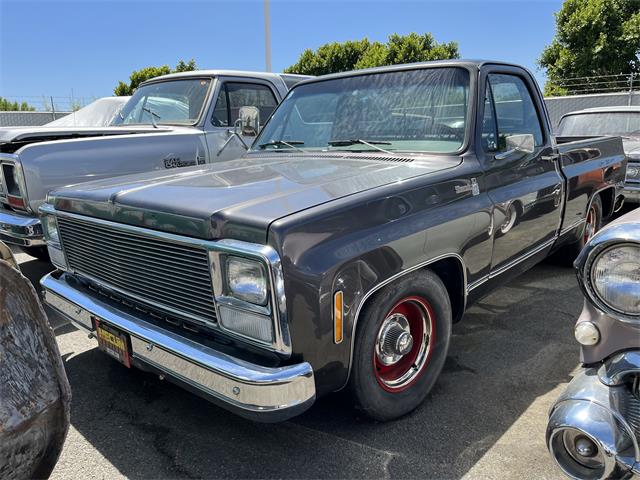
[113, 342]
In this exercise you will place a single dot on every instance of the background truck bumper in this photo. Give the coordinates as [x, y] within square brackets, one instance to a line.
[631, 194]
[599, 406]
[20, 229]
[252, 391]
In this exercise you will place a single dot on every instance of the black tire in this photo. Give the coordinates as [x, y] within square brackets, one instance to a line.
[41, 253]
[569, 253]
[415, 291]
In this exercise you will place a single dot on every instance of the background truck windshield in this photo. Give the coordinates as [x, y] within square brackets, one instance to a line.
[170, 102]
[602, 123]
[422, 110]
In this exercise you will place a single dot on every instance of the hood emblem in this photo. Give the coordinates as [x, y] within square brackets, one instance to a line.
[173, 161]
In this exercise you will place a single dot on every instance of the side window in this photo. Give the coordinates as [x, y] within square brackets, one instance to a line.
[489, 136]
[515, 111]
[235, 95]
[220, 116]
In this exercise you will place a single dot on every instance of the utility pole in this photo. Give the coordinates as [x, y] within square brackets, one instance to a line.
[267, 36]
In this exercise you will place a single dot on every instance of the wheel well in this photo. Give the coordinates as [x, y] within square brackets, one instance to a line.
[607, 197]
[450, 271]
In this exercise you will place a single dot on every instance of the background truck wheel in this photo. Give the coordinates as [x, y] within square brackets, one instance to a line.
[593, 223]
[41, 253]
[401, 344]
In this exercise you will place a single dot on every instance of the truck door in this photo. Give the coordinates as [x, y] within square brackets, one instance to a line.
[522, 178]
[232, 96]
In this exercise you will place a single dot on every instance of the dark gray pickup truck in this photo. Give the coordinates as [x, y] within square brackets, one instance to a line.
[372, 209]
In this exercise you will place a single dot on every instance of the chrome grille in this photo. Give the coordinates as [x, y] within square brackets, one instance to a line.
[167, 276]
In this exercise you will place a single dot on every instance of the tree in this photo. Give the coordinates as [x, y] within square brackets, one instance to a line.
[7, 106]
[144, 74]
[355, 54]
[593, 38]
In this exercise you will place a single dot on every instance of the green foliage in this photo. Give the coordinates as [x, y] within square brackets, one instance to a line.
[355, 54]
[144, 74]
[7, 106]
[593, 38]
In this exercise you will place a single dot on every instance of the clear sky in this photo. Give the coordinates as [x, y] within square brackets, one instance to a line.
[84, 47]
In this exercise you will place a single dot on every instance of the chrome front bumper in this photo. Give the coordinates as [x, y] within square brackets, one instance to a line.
[20, 229]
[252, 391]
[598, 404]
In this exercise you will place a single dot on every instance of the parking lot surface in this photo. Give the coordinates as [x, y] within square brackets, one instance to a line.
[510, 358]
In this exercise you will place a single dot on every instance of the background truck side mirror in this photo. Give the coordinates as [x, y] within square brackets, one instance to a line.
[249, 117]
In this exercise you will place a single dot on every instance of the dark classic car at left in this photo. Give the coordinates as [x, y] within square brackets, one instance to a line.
[373, 208]
[594, 427]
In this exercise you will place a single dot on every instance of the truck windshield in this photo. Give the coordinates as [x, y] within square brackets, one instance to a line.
[423, 110]
[176, 102]
[601, 123]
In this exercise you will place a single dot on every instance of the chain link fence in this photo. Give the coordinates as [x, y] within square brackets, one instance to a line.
[52, 103]
[30, 119]
[595, 91]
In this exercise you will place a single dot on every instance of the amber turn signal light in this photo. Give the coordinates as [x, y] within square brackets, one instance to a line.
[338, 317]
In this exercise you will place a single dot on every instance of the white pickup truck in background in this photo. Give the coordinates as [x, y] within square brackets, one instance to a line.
[171, 121]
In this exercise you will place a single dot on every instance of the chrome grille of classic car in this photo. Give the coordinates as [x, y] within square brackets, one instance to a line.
[170, 277]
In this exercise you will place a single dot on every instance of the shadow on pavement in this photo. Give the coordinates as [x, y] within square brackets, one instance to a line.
[511, 348]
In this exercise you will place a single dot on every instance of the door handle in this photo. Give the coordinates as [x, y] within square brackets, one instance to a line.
[550, 158]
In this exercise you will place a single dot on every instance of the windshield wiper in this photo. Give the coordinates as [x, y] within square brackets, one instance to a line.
[153, 115]
[368, 143]
[279, 143]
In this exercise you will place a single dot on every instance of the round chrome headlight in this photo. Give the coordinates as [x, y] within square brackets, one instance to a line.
[615, 278]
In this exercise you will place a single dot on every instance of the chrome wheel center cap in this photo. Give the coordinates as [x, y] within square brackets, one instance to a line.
[394, 339]
[585, 447]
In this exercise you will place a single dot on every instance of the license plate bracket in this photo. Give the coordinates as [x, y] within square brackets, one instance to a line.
[113, 342]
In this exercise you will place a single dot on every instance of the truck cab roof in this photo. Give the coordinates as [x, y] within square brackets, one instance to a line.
[288, 78]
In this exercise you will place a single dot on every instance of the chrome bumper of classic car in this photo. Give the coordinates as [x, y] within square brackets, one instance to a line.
[20, 229]
[594, 427]
[250, 390]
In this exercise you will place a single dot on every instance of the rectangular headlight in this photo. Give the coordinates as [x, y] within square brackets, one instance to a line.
[247, 280]
[249, 324]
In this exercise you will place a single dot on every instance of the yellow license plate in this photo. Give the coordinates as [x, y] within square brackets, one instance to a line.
[113, 342]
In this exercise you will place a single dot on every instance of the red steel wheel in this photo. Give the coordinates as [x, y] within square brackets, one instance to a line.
[397, 358]
[591, 224]
[404, 344]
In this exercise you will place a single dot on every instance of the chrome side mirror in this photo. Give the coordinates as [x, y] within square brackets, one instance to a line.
[518, 144]
[249, 117]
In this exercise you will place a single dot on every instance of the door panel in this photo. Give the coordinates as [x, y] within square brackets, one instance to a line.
[526, 188]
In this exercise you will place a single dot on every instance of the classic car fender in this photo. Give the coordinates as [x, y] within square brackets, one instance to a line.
[50, 165]
[34, 391]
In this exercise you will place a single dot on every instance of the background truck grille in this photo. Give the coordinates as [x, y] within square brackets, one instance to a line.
[167, 276]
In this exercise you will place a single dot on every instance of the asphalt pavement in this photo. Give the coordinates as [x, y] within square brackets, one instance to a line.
[510, 358]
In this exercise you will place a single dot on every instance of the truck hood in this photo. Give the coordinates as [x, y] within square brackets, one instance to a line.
[12, 138]
[241, 198]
